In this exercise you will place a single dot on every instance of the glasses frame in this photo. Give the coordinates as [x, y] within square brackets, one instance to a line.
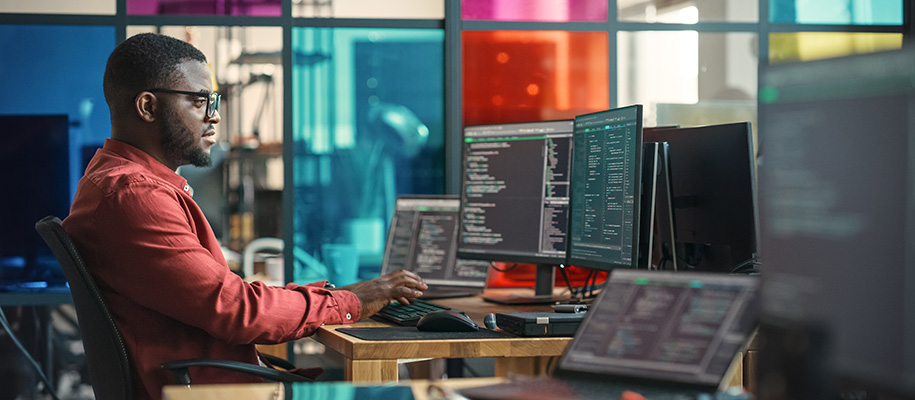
[213, 98]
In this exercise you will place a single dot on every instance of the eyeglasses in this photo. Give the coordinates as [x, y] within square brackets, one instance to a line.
[212, 98]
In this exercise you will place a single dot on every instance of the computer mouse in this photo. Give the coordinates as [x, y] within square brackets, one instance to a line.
[446, 321]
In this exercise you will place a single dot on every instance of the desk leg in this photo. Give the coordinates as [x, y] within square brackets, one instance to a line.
[522, 366]
[370, 371]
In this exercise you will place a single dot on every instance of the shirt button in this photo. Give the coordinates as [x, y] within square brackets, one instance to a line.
[186, 188]
[349, 316]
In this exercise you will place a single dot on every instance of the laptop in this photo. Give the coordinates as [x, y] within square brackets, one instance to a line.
[662, 334]
[423, 239]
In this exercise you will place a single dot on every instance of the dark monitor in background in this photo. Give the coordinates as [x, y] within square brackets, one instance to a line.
[837, 191]
[713, 183]
[515, 195]
[606, 189]
[34, 158]
[423, 239]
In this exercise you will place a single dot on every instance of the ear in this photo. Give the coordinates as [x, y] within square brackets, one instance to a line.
[145, 106]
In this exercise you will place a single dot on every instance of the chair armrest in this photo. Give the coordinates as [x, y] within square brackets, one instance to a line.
[276, 361]
[180, 369]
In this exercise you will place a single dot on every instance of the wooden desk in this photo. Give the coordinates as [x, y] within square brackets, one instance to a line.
[374, 361]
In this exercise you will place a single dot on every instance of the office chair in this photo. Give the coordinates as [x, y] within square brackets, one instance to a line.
[106, 353]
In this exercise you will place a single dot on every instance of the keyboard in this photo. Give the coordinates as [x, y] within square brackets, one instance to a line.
[409, 314]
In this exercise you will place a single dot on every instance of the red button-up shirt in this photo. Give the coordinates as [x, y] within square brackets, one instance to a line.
[163, 275]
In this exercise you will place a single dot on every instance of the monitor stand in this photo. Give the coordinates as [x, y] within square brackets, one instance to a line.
[543, 290]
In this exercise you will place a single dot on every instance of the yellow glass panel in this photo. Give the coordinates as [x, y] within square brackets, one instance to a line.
[806, 46]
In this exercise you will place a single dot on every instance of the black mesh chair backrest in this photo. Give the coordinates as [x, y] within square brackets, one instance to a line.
[106, 354]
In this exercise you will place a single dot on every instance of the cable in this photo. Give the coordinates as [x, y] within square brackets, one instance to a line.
[565, 277]
[9, 330]
[747, 266]
[493, 266]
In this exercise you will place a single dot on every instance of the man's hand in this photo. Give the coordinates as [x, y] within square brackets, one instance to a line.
[403, 286]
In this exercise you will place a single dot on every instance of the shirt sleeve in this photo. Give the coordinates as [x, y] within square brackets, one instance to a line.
[154, 257]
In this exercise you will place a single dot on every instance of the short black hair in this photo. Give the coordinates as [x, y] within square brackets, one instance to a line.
[142, 62]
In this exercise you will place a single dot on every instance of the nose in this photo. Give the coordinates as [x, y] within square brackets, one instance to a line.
[215, 118]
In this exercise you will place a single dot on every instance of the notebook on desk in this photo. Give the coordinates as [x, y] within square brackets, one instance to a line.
[661, 334]
[422, 239]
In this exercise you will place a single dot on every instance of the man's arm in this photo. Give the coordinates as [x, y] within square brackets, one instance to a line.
[403, 286]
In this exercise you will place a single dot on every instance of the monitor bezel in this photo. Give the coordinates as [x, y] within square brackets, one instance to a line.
[503, 256]
[602, 265]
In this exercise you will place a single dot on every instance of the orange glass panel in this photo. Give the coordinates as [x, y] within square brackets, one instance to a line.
[516, 76]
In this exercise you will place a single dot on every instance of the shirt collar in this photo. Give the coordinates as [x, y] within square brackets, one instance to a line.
[147, 161]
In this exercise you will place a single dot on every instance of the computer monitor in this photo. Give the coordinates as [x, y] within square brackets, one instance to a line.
[515, 195]
[837, 213]
[713, 184]
[606, 189]
[422, 239]
[35, 159]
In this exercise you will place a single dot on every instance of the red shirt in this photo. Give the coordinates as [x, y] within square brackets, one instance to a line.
[163, 275]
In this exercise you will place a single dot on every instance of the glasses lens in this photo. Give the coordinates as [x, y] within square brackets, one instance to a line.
[213, 104]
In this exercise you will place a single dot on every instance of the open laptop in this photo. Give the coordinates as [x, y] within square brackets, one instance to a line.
[664, 335]
[422, 239]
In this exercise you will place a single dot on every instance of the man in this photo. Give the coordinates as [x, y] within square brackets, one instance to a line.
[155, 257]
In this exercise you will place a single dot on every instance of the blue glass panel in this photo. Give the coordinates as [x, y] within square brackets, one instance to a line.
[849, 12]
[49, 69]
[368, 125]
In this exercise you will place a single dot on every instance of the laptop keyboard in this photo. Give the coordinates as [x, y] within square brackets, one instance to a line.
[409, 314]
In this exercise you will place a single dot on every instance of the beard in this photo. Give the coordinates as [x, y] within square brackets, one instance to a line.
[182, 144]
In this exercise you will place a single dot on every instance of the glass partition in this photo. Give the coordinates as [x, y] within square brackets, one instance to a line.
[368, 125]
[535, 10]
[807, 46]
[688, 78]
[517, 76]
[688, 11]
[87, 7]
[374, 9]
[846, 12]
[261, 8]
[52, 69]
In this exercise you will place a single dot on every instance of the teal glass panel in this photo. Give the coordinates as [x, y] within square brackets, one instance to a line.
[845, 12]
[368, 125]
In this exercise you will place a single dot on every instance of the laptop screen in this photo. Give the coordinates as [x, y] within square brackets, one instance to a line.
[422, 239]
[674, 326]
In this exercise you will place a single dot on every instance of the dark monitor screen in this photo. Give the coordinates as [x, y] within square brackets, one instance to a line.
[605, 189]
[837, 213]
[515, 192]
[713, 190]
[34, 156]
[423, 238]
